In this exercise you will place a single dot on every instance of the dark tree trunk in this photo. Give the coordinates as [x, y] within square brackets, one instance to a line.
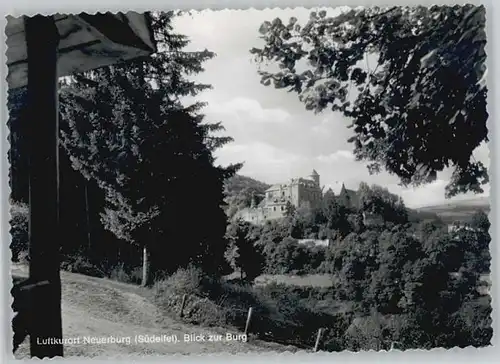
[46, 324]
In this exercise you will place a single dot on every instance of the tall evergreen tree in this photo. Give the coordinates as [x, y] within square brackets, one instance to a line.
[126, 128]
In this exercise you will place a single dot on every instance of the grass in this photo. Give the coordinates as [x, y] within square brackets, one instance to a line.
[310, 280]
[285, 313]
[100, 307]
[282, 313]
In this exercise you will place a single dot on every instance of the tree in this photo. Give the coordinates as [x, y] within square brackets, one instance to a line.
[480, 221]
[475, 242]
[246, 255]
[353, 262]
[396, 252]
[379, 201]
[389, 70]
[270, 237]
[427, 283]
[336, 217]
[125, 128]
[283, 257]
[356, 222]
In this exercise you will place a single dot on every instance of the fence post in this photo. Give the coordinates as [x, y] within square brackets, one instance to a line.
[181, 313]
[318, 338]
[249, 317]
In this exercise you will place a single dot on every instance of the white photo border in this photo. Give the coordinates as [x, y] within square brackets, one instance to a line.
[456, 355]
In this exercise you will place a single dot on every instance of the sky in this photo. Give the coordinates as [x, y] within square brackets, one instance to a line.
[275, 137]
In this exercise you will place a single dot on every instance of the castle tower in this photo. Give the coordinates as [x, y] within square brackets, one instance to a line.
[344, 197]
[315, 177]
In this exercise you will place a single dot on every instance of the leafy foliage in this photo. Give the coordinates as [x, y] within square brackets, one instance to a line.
[410, 78]
[476, 239]
[379, 201]
[244, 253]
[428, 279]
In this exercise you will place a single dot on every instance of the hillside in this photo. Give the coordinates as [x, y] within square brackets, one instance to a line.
[239, 183]
[415, 215]
[239, 190]
[457, 210]
[102, 308]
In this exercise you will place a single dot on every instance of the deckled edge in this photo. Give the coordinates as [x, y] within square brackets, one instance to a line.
[29, 7]
[5, 252]
[216, 5]
[491, 96]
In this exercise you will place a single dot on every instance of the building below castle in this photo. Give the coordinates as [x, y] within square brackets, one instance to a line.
[299, 192]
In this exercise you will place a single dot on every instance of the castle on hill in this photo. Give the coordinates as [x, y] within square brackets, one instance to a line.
[299, 192]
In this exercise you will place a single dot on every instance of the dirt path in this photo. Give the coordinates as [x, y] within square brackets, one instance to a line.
[99, 308]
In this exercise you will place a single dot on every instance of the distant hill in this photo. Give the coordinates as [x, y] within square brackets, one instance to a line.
[238, 183]
[416, 216]
[239, 190]
[457, 210]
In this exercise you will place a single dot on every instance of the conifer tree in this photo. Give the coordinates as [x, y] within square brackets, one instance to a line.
[126, 128]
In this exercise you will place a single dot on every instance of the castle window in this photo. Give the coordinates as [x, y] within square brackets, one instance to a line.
[274, 208]
[282, 208]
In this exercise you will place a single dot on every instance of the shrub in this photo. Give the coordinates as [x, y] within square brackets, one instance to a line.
[136, 275]
[367, 333]
[472, 323]
[199, 308]
[79, 264]
[206, 312]
[298, 314]
[23, 257]
[281, 313]
[333, 338]
[120, 274]
[183, 281]
[123, 273]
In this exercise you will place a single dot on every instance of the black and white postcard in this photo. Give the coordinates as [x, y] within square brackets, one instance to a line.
[273, 180]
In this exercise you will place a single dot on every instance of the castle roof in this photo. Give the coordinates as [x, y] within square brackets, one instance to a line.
[350, 194]
[292, 182]
[329, 191]
[274, 187]
[336, 188]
